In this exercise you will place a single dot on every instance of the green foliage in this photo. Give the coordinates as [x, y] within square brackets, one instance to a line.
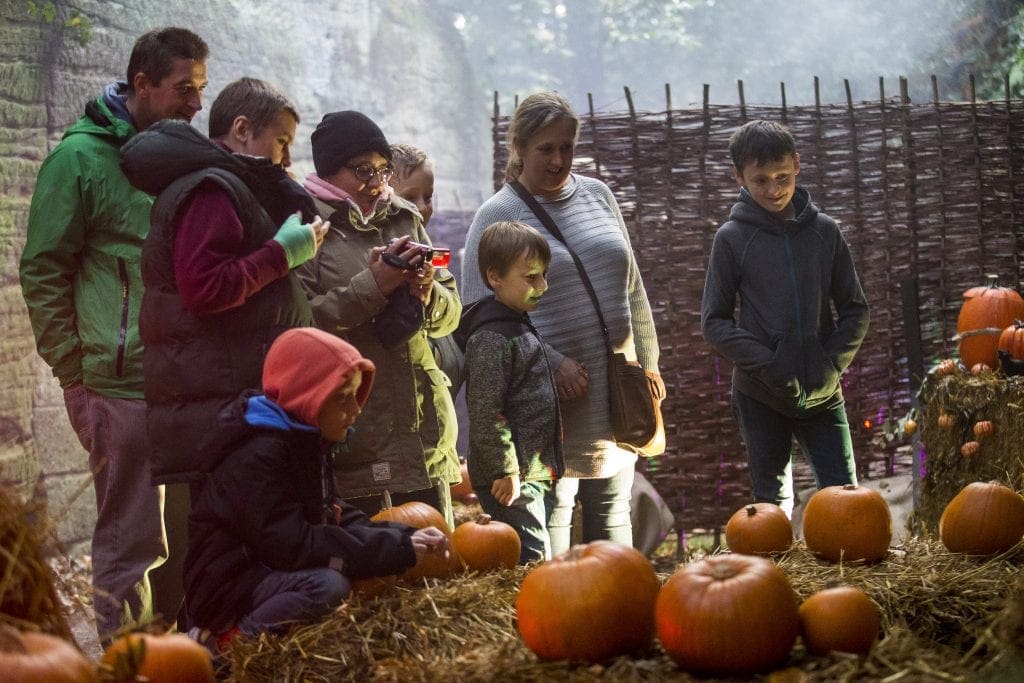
[77, 24]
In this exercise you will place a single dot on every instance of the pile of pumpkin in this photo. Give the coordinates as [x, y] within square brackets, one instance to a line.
[602, 600]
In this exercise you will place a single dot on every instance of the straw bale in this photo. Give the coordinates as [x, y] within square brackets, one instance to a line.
[28, 597]
[945, 617]
[969, 398]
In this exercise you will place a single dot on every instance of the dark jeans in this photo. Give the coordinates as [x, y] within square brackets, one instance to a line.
[285, 598]
[824, 437]
[527, 515]
[604, 504]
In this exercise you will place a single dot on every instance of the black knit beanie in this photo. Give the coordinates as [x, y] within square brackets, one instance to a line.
[342, 135]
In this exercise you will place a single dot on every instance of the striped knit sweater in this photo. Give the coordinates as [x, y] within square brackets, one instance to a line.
[588, 216]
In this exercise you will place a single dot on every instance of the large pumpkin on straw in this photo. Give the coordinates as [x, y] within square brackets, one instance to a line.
[159, 658]
[31, 657]
[485, 544]
[985, 313]
[847, 523]
[759, 529]
[728, 615]
[421, 516]
[594, 602]
[982, 519]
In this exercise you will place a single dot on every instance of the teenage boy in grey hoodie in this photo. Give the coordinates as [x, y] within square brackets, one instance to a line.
[787, 266]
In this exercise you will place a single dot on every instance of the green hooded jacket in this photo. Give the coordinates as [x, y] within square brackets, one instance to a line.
[80, 268]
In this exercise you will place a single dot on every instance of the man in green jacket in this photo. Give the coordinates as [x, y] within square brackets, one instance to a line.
[81, 281]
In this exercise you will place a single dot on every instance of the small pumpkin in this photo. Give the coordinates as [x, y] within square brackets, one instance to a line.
[847, 523]
[945, 367]
[421, 516]
[593, 602]
[840, 619]
[910, 426]
[984, 315]
[970, 448]
[727, 615]
[484, 544]
[1011, 349]
[759, 529]
[946, 420]
[982, 519]
[167, 658]
[30, 657]
[983, 428]
[980, 369]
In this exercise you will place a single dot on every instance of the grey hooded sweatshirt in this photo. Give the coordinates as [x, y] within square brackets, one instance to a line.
[787, 345]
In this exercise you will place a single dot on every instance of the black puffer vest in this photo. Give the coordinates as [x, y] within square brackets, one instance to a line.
[195, 365]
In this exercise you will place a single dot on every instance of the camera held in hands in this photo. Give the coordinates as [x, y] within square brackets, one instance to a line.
[439, 257]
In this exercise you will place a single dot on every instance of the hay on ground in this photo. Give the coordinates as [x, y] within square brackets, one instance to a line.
[945, 617]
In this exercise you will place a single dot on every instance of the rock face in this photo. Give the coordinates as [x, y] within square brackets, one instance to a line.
[398, 62]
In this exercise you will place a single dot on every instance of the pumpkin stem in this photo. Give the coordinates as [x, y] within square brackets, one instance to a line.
[849, 487]
[993, 279]
[387, 500]
[721, 571]
[483, 519]
[751, 510]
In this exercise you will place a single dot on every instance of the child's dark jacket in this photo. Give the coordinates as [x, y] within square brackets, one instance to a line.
[787, 347]
[514, 422]
[261, 508]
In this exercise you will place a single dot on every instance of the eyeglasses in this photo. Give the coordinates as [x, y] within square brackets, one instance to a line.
[366, 172]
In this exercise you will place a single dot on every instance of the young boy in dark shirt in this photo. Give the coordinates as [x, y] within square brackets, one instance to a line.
[787, 266]
[515, 440]
[270, 544]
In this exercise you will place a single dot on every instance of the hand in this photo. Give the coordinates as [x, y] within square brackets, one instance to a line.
[571, 379]
[298, 239]
[506, 490]
[390, 277]
[421, 282]
[427, 541]
[320, 230]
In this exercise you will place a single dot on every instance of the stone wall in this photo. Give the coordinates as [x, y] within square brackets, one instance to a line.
[394, 60]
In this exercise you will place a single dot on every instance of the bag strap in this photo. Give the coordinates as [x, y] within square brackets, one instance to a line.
[552, 227]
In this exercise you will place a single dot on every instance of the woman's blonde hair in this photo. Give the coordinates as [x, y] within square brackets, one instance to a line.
[536, 112]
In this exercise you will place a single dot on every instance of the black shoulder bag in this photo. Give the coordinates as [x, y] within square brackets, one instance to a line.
[636, 394]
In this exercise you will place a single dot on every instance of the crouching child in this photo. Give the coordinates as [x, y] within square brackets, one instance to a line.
[270, 544]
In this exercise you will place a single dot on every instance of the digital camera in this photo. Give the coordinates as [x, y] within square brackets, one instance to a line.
[439, 257]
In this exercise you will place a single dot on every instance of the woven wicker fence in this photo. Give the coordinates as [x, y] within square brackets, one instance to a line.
[926, 193]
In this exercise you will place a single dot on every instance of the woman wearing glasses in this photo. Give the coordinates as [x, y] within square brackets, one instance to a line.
[372, 286]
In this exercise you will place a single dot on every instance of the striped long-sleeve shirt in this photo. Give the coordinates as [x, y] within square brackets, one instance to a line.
[588, 216]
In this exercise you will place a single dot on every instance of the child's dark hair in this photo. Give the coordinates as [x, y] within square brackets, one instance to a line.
[503, 242]
[154, 51]
[252, 98]
[760, 142]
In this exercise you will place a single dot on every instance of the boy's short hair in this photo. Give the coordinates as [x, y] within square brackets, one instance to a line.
[252, 98]
[503, 242]
[406, 158]
[760, 142]
[154, 51]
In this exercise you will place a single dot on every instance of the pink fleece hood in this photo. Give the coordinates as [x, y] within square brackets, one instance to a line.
[305, 365]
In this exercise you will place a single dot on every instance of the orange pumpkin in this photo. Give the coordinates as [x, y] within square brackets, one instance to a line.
[1011, 340]
[168, 658]
[980, 369]
[970, 448]
[727, 615]
[593, 602]
[983, 428]
[945, 367]
[30, 657]
[841, 619]
[985, 313]
[421, 516]
[484, 544]
[910, 426]
[946, 420]
[982, 519]
[759, 529]
[847, 523]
